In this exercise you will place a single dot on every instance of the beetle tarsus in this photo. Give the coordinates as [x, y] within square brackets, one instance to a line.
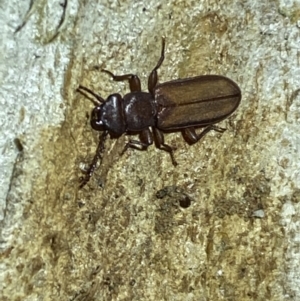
[192, 137]
[133, 80]
[169, 150]
[153, 78]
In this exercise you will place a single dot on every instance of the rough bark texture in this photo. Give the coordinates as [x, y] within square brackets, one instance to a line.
[223, 225]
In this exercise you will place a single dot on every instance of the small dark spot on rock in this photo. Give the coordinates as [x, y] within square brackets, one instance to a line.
[80, 204]
[185, 202]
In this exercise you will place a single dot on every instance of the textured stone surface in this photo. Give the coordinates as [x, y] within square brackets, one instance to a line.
[223, 225]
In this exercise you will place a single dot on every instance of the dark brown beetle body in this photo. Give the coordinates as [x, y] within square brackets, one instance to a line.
[183, 104]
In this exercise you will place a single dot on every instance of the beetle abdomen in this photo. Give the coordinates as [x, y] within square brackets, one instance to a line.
[197, 101]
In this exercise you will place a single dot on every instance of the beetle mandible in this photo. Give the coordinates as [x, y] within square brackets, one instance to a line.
[178, 105]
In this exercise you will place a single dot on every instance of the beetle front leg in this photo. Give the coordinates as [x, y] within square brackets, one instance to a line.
[192, 137]
[93, 165]
[160, 143]
[152, 80]
[134, 81]
[146, 139]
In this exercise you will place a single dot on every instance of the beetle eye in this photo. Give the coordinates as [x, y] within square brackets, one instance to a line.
[96, 119]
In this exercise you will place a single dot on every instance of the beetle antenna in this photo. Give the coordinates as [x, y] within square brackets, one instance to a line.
[98, 156]
[98, 97]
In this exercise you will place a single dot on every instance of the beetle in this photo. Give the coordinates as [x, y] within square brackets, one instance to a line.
[177, 105]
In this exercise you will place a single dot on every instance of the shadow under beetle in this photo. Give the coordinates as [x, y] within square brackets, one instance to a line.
[178, 105]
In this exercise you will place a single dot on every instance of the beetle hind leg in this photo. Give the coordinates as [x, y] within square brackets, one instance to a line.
[192, 137]
[160, 143]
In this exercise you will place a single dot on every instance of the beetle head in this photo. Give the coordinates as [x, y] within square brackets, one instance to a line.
[96, 119]
[109, 116]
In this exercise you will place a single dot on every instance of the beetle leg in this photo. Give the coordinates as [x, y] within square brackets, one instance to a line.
[192, 137]
[93, 165]
[146, 139]
[134, 81]
[160, 143]
[152, 79]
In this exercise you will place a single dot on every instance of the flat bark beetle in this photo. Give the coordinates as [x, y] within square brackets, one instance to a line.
[178, 105]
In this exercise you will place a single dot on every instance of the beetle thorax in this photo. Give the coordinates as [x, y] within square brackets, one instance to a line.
[139, 111]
